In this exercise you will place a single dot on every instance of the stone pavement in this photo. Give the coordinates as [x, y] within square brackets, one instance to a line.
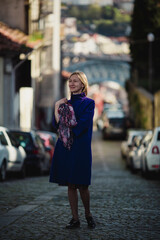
[125, 206]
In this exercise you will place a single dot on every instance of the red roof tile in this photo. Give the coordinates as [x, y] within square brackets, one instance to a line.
[14, 40]
[65, 74]
[120, 39]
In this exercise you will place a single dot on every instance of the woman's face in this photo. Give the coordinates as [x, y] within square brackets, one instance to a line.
[75, 85]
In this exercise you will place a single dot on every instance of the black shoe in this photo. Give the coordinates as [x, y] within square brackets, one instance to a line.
[91, 222]
[73, 224]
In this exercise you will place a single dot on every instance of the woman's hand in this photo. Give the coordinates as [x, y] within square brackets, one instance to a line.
[57, 104]
[61, 101]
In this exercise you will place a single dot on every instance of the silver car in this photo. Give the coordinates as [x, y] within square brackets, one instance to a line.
[138, 152]
[150, 161]
[12, 155]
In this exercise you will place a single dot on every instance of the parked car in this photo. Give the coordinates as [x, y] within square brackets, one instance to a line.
[49, 139]
[114, 107]
[150, 161]
[141, 144]
[12, 155]
[128, 146]
[113, 124]
[37, 160]
[3, 159]
[125, 145]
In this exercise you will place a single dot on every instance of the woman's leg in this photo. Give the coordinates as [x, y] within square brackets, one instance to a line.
[73, 200]
[85, 196]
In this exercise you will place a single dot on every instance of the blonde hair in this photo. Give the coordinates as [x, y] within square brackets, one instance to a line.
[83, 78]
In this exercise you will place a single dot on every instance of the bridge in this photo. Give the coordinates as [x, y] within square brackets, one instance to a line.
[100, 70]
[81, 57]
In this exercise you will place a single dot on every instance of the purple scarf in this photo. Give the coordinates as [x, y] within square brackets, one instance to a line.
[67, 120]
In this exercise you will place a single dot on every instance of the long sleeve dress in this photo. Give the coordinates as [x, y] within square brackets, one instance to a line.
[74, 166]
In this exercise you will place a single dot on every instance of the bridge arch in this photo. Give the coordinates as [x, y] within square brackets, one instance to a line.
[98, 71]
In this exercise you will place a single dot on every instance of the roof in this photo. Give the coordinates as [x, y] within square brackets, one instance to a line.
[65, 74]
[3, 128]
[13, 41]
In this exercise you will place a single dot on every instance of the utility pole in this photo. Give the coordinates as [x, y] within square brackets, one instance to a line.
[56, 56]
[150, 38]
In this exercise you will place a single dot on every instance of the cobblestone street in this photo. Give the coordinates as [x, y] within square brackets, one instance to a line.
[125, 206]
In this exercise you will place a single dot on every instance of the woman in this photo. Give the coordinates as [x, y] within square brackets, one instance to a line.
[72, 167]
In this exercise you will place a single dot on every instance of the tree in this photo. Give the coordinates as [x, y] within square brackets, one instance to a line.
[74, 12]
[107, 12]
[145, 19]
[94, 12]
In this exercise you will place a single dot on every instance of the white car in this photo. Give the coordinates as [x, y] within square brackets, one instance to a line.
[139, 150]
[3, 161]
[126, 145]
[137, 136]
[150, 161]
[12, 156]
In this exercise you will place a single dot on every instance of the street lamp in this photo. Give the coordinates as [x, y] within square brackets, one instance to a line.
[150, 38]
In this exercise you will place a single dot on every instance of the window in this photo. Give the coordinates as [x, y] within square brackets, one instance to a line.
[24, 139]
[12, 139]
[3, 139]
[39, 142]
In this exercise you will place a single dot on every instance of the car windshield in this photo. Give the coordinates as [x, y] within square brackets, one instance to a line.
[3, 140]
[13, 140]
[115, 114]
[117, 122]
[24, 139]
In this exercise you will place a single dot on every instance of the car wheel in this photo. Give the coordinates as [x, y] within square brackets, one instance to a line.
[146, 172]
[3, 172]
[127, 162]
[122, 155]
[40, 168]
[132, 168]
[142, 169]
[23, 171]
[103, 135]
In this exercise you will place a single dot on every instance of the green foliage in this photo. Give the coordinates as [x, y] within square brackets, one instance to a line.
[103, 21]
[107, 12]
[117, 15]
[36, 36]
[108, 19]
[139, 112]
[111, 28]
[74, 12]
[94, 12]
[145, 19]
[137, 108]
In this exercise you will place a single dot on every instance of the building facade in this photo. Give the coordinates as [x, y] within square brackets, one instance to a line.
[31, 69]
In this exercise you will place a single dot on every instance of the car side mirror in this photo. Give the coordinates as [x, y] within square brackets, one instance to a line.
[136, 145]
[129, 145]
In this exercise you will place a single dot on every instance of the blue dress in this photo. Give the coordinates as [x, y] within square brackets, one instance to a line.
[74, 166]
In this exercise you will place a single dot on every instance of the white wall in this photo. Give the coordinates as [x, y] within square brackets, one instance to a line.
[12, 13]
[26, 107]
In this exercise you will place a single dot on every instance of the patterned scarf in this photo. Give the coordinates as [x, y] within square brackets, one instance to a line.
[67, 120]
